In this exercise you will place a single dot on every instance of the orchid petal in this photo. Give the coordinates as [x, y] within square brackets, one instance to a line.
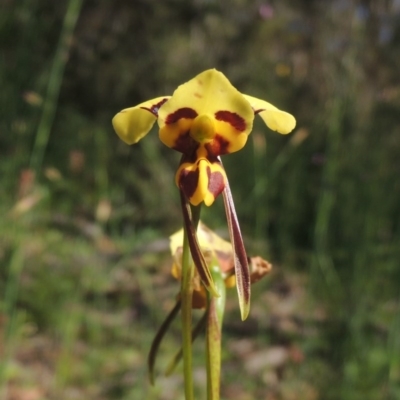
[274, 118]
[132, 124]
[208, 240]
[209, 93]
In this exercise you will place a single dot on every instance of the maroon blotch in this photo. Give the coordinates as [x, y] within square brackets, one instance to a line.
[231, 118]
[219, 145]
[184, 112]
[258, 111]
[155, 107]
[216, 183]
[188, 181]
[186, 144]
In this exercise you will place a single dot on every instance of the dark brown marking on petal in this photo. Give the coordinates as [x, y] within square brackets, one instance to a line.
[188, 182]
[216, 183]
[231, 118]
[185, 144]
[198, 95]
[189, 157]
[155, 107]
[219, 145]
[184, 112]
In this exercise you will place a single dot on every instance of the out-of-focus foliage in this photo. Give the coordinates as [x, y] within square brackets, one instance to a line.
[81, 272]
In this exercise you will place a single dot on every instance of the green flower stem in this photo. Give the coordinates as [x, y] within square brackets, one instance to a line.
[213, 336]
[178, 355]
[186, 310]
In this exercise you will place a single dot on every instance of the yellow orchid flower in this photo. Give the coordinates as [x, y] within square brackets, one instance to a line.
[204, 119]
[214, 249]
[217, 251]
[219, 254]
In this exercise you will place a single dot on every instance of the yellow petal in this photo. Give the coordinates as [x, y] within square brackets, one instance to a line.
[175, 242]
[134, 123]
[230, 281]
[176, 136]
[208, 241]
[275, 119]
[209, 93]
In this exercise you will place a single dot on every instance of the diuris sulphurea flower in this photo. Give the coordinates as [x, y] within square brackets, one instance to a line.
[219, 255]
[217, 252]
[205, 118]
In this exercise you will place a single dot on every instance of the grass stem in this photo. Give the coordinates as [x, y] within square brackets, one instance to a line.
[54, 85]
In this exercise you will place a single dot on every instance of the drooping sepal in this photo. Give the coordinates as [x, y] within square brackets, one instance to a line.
[242, 271]
[151, 359]
[197, 255]
[132, 124]
[275, 119]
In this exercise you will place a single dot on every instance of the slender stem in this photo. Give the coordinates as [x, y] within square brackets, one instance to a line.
[178, 355]
[186, 309]
[216, 308]
[10, 312]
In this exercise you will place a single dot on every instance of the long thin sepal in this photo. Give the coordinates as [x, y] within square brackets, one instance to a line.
[194, 246]
[242, 271]
[151, 360]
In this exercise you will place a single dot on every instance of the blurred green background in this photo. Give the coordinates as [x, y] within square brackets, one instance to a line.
[85, 219]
